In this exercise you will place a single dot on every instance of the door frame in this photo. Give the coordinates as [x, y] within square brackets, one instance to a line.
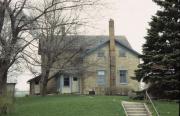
[67, 89]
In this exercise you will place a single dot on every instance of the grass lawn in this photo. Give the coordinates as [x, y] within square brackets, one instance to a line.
[82, 106]
[165, 108]
[69, 106]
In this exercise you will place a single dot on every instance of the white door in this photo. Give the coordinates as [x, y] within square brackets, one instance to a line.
[66, 87]
[75, 85]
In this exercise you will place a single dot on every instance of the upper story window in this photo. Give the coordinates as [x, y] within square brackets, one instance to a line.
[100, 53]
[122, 53]
[123, 76]
[101, 77]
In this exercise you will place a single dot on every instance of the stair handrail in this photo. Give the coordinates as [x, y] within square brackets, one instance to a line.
[147, 96]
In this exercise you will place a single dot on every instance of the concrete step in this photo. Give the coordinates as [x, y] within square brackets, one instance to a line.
[135, 109]
[132, 106]
[136, 112]
[137, 115]
[137, 103]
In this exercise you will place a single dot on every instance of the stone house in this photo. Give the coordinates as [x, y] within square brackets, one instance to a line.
[110, 63]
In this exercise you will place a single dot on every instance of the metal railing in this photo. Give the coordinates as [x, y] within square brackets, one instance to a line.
[149, 98]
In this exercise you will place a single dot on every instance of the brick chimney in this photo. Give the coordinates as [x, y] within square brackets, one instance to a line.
[112, 56]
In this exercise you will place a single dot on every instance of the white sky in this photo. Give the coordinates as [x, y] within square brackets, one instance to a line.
[131, 19]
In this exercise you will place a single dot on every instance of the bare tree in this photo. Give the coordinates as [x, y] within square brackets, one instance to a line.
[55, 46]
[15, 25]
[60, 48]
[58, 41]
[59, 44]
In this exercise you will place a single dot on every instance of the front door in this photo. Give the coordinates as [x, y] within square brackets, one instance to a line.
[66, 88]
[75, 85]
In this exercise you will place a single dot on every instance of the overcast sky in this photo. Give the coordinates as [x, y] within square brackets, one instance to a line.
[131, 19]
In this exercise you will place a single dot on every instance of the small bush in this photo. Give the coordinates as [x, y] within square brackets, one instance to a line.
[6, 105]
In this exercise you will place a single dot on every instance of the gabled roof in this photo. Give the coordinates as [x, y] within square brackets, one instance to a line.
[37, 79]
[89, 43]
[77, 41]
[95, 40]
[127, 47]
[121, 40]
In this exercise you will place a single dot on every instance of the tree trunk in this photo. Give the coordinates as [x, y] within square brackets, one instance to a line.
[3, 81]
[43, 82]
[43, 88]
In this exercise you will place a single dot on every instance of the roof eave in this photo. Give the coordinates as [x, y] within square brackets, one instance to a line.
[130, 49]
[93, 49]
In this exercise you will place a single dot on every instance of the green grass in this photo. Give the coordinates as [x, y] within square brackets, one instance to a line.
[69, 106]
[82, 106]
[165, 108]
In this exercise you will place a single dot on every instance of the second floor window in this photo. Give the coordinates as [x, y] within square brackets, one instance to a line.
[100, 53]
[122, 53]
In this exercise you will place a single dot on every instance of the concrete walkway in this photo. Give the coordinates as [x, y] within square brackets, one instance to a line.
[135, 109]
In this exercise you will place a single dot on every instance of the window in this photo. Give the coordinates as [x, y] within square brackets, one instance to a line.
[100, 77]
[75, 79]
[100, 53]
[66, 81]
[123, 76]
[122, 53]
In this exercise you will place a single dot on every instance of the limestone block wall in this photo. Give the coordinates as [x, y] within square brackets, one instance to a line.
[93, 64]
[129, 63]
[52, 86]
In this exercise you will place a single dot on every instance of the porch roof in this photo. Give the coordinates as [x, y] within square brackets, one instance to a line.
[37, 78]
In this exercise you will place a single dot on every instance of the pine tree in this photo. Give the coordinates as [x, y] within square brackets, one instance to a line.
[161, 52]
